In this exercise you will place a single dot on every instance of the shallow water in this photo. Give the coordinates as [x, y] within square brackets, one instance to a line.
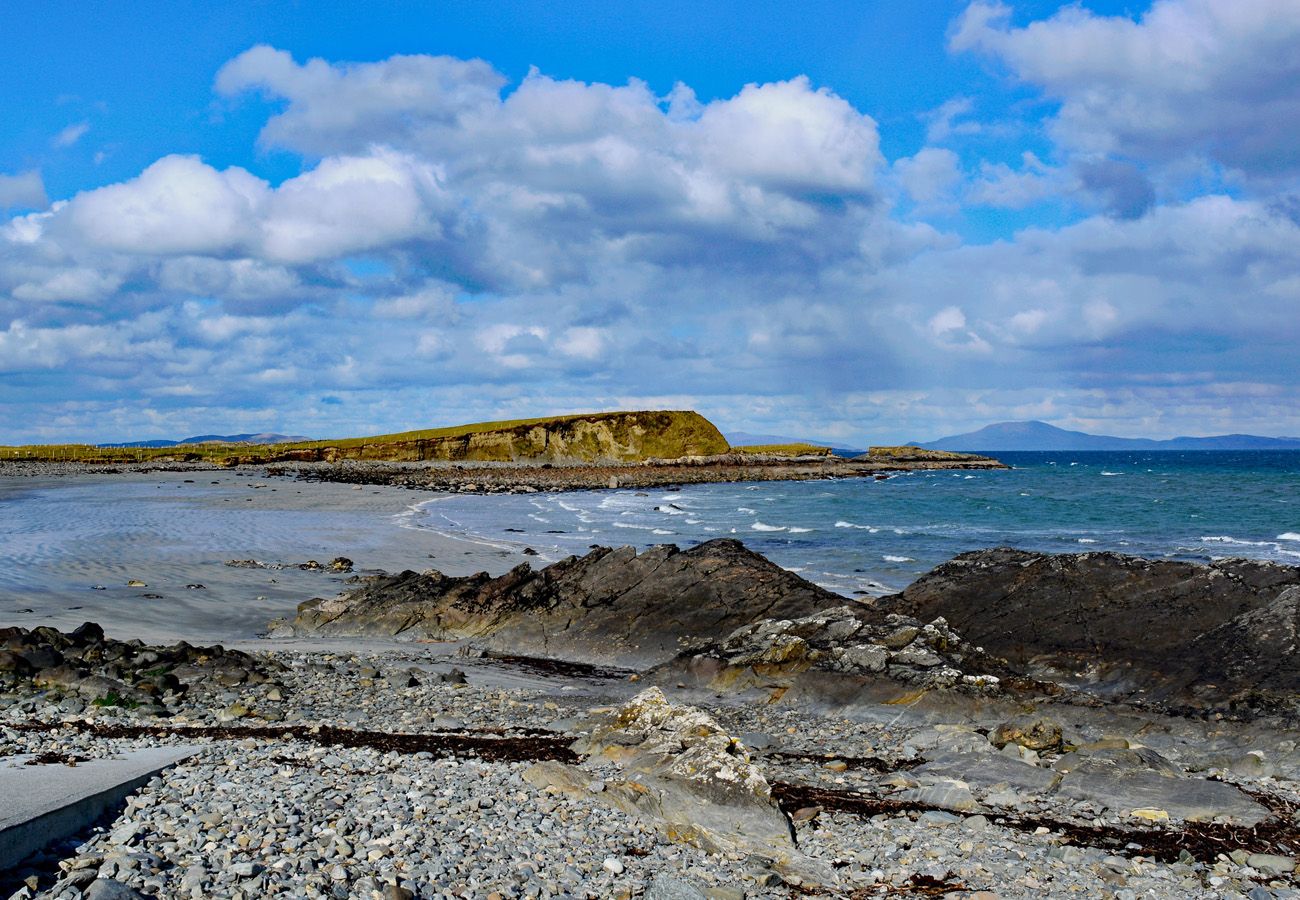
[69, 546]
[876, 536]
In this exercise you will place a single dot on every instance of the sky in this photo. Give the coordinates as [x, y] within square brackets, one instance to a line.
[859, 222]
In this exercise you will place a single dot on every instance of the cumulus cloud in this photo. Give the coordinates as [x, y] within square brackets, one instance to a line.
[178, 205]
[335, 108]
[1199, 78]
[459, 248]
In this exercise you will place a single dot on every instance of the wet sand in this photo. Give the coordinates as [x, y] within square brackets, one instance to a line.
[62, 537]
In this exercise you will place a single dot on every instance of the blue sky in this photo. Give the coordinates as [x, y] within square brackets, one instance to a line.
[863, 222]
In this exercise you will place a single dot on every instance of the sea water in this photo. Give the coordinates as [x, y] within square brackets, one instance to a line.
[863, 535]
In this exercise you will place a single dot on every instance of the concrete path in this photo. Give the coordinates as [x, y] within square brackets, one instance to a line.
[41, 804]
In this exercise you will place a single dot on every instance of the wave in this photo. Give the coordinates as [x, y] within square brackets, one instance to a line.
[1087, 541]
[1112, 473]
[796, 530]
[1288, 536]
[746, 510]
[662, 531]
[1228, 539]
[631, 525]
[843, 524]
[759, 526]
[898, 559]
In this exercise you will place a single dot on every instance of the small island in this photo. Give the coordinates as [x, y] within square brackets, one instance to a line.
[647, 448]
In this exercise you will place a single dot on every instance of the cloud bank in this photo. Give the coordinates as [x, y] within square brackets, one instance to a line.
[457, 247]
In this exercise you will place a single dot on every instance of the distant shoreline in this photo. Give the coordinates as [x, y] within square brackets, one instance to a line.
[493, 478]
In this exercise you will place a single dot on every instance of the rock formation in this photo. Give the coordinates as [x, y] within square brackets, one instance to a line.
[1217, 634]
[774, 653]
[610, 606]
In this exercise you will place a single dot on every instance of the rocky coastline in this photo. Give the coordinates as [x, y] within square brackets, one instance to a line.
[528, 477]
[694, 723]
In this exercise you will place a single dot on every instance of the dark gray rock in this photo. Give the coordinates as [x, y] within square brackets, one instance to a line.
[988, 770]
[1218, 635]
[1126, 780]
[111, 889]
[608, 606]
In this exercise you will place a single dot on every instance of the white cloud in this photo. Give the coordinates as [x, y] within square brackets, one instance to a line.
[346, 108]
[929, 176]
[1187, 78]
[946, 321]
[350, 204]
[582, 343]
[25, 190]
[455, 250]
[948, 121]
[999, 185]
[178, 205]
[70, 135]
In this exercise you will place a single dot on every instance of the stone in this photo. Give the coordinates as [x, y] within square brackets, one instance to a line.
[682, 771]
[944, 793]
[1123, 781]
[1039, 734]
[665, 886]
[110, 889]
[1270, 864]
[987, 770]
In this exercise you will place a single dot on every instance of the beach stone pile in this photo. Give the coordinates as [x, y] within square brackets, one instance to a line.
[255, 816]
[83, 669]
[841, 640]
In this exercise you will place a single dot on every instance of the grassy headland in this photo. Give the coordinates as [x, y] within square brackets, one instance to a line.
[610, 437]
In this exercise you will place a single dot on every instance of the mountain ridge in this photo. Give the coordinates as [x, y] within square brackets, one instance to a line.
[263, 437]
[1037, 435]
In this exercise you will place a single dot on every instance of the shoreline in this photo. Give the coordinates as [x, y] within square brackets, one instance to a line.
[135, 580]
[488, 478]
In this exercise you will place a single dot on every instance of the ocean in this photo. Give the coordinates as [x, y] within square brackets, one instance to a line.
[870, 536]
[70, 547]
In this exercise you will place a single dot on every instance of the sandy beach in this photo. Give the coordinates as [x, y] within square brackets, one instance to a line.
[69, 554]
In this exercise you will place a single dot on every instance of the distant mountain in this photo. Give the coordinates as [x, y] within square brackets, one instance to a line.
[1041, 436]
[749, 439]
[262, 438]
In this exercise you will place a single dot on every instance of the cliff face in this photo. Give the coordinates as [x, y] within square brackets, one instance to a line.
[599, 438]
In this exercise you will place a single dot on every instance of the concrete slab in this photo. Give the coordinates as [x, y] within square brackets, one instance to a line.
[41, 804]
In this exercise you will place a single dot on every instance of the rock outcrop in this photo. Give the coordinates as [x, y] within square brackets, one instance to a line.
[774, 653]
[609, 606]
[1217, 635]
[83, 667]
[678, 769]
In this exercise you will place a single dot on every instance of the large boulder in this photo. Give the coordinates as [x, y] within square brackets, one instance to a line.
[679, 770]
[612, 606]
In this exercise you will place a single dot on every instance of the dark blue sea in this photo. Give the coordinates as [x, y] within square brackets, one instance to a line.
[862, 535]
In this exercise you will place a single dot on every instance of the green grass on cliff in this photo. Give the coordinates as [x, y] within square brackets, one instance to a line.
[664, 434]
[783, 449]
